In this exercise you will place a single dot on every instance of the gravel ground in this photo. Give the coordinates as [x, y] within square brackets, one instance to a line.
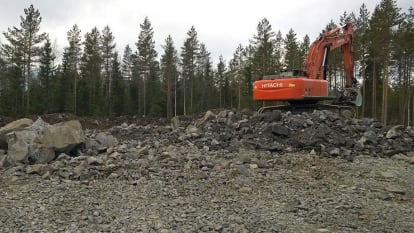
[245, 191]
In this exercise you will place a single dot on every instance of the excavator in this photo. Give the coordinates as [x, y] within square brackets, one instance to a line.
[309, 88]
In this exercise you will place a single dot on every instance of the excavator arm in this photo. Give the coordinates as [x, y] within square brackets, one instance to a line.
[317, 58]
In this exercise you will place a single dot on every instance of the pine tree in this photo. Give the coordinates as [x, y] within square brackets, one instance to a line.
[360, 52]
[30, 39]
[117, 88]
[13, 80]
[148, 68]
[384, 18]
[279, 50]
[403, 62]
[304, 47]
[264, 47]
[169, 72]
[126, 70]
[235, 73]
[222, 82]
[204, 85]
[91, 83]
[107, 47]
[25, 42]
[189, 53]
[72, 58]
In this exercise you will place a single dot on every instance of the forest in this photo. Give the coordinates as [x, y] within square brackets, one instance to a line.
[93, 79]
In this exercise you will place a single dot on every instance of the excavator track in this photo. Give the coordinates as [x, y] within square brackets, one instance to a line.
[344, 110]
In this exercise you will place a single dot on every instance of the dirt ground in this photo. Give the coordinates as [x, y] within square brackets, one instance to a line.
[287, 193]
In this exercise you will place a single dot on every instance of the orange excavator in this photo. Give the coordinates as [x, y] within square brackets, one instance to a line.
[308, 88]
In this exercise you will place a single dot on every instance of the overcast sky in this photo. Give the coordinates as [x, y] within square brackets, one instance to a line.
[220, 24]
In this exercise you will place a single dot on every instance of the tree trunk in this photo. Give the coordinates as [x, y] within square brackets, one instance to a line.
[239, 95]
[364, 93]
[374, 93]
[29, 77]
[169, 96]
[385, 95]
[75, 87]
[184, 99]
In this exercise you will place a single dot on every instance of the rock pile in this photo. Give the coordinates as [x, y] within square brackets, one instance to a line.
[322, 132]
[27, 142]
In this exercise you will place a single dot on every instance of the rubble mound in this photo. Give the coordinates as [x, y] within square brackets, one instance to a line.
[320, 132]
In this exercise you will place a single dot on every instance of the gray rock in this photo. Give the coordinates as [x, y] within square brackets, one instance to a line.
[18, 151]
[410, 131]
[39, 169]
[39, 125]
[273, 116]
[92, 160]
[394, 132]
[395, 189]
[370, 136]
[175, 122]
[105, 141]
[208, 115]
[279, 130]
[191, 129]
[334, 151]
[64, 136]
[40, 154]
[223, 113]
[16, 125]
[408, 159]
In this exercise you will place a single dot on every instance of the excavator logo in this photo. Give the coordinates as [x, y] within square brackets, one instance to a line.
[271, 85]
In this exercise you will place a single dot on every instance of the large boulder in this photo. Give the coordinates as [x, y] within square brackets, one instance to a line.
[12, 126]
[18, 145]
[63, 137]
[16, 125]
[207, 116]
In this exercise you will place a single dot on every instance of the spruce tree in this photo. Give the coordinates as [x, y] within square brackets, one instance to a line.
[264, 46]
[235, 74]
[72, 56]
[91, 98]
[13, 80]
[222, 83]
[107, 47]
[126, 70]
[47, 75]
[204, 84]
[292, 51]
[117, 88]
[169, 72]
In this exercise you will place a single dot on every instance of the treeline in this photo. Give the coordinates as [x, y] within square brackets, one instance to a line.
[92, 78]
